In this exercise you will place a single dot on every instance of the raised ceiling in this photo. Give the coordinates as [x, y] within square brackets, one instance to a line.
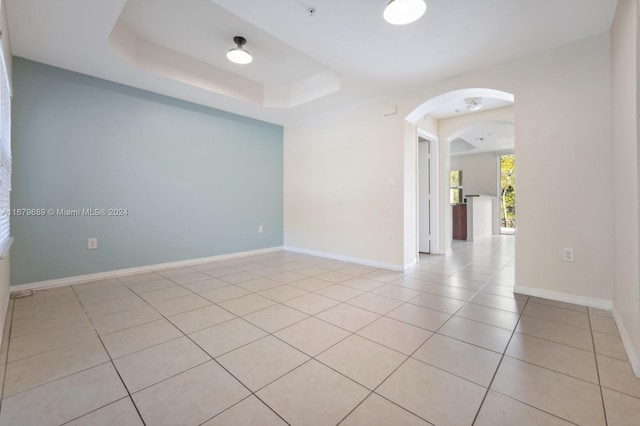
[183, 40]
[343, 54]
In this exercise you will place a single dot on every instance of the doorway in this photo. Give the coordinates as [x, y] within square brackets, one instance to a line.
[507, 190]
[428, 116]
[424, 195]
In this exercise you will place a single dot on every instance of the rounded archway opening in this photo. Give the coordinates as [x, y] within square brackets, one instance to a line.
[441, 120]
[446, 104]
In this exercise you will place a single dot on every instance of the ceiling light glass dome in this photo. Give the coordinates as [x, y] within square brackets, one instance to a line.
[402, 12]
[238, 55]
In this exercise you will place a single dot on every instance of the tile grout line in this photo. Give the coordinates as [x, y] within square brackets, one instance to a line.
[251, 392]
[351, 333]
[99, 408]
[112, 363]
[6, 363]
[111, 359]
[595, 357]
[404, 362]
[326, 349]
[527, 362]
[314, 357]
[495, 373]
[88, 368]
[399, 366]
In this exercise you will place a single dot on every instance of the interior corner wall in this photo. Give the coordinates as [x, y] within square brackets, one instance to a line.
[337, 167]
[564, 176]
[193, 181]
[344, 185]
[564, 164]
[624, 45]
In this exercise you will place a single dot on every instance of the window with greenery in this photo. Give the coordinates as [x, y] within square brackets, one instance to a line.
[508, 191]
[455, 186]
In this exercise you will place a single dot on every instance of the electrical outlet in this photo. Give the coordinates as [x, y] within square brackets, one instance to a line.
[92, 243]
[568, 255]
[260, 229]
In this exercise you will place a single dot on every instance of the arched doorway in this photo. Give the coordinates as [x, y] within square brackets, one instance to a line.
[457, 109]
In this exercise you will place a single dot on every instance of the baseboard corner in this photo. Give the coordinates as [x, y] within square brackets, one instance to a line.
[576, 299]
[632, 355]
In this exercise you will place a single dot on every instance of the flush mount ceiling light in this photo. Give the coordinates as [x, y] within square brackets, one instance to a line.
[238, 55]
[402, 12]
[473, 104]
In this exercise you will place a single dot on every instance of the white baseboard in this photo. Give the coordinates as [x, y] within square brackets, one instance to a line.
[634, 359]
[592, 302]
[411, 265]
[138, 270]
[475, 239]
[350, 259]
[564, 297]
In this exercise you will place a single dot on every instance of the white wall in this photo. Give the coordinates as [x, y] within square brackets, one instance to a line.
[4, 263]
[429, 125]
[479, 218]
[336, 167]
[625, 173]
[564, 172]
[479, 173]
[558, 142]
[338, 200]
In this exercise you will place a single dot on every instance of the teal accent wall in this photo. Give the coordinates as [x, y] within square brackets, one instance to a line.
[196, 181]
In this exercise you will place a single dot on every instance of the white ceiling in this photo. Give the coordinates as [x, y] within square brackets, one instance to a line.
[455, 106]
[343, 54]
[184, 40]
[483, 137]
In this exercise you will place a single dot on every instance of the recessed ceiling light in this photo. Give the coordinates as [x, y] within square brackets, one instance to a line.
[238, 55]
[402, 12]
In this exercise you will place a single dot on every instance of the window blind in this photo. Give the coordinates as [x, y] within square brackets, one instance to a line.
[5, 155]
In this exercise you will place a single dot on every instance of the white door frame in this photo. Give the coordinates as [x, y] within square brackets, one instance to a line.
[434, 193]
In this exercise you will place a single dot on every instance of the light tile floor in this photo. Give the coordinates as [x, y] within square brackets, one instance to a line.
[286, 338]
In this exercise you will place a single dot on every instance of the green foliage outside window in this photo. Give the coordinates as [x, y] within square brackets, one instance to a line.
[508, 193]
[455, 186]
